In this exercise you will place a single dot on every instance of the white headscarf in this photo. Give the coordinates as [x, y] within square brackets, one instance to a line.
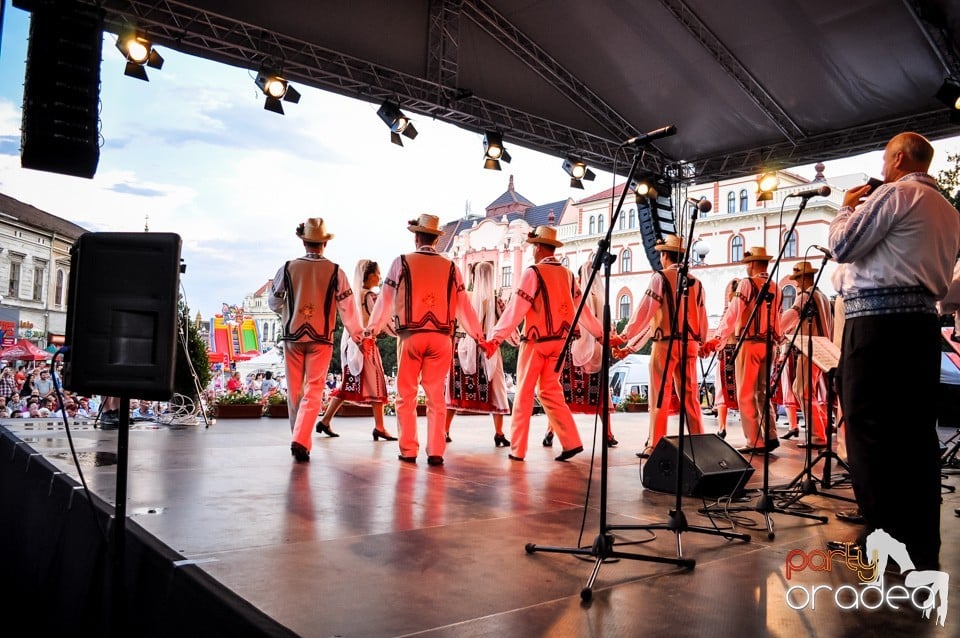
[350, 352]
[483, 300]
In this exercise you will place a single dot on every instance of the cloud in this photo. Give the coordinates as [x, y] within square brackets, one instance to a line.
[136, 190]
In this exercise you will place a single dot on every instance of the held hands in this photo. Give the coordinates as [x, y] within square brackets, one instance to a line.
[489, 347]
[619, 354]
[616, 340]
[709, 347]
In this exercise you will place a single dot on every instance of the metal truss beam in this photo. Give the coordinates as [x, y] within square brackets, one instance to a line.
[725, 58]
[443, 48]
[934, 29]
[223, 39]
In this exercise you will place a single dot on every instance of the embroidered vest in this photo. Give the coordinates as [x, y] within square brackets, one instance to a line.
[757, 330]
[309, 309]
[426, 299]
[662, 322]
[552, 308]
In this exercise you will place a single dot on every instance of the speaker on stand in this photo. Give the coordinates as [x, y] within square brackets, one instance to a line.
[121, 342]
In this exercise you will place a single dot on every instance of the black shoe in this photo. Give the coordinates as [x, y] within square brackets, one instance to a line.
[772, 444]
[434, 460]
[514, 458]
[377, 435]
[569, 454]
[791, 434]
[612, 442]
[852, 516]
[449, 440]
[548, 439]
[749, 449]
[500, 440]
[647, 451]
[813, 445]
[300, 453]
[407, 459]
[325, 429]
[722, 434]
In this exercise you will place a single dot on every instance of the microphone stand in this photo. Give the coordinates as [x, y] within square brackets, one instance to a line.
[805, 479]
[604, 545]
[765, 504]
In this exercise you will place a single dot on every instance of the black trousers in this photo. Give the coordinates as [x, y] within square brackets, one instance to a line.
[889, 383]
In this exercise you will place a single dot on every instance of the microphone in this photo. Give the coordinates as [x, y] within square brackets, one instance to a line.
[703, 205]
[819, 191]
[825, 251]
[646, 138]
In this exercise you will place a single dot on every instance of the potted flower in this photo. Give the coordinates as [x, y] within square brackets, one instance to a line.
[277, 406]
[634, 402]
[238, 405]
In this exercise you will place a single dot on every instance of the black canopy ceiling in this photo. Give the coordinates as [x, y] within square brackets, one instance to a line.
[748, 84]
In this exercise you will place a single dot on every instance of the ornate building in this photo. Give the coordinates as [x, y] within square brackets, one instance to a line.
[268, 322]
[736, 222]
[34, 271]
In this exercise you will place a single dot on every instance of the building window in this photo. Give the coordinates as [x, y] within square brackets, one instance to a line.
[789, 294]
[625, 257]
[736, 249]
[731, 202]
[507, 277]
[744, 201]
[600, 224]
[633, 218]
[565, 262]
[623, 218]
[59, 294]
[593, 225]
[624, 306]
[13, 289]
[790, 248]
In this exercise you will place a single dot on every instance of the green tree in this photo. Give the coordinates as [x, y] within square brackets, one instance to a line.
[948, 180]
[193, 359]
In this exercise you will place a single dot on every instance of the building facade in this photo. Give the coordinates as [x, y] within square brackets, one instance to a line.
[34, 271]
[736, 222]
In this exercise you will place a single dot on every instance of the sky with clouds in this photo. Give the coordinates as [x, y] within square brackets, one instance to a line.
[194, 152]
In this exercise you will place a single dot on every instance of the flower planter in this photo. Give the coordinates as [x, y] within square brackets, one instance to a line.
[239, 411]
[636, 407]
[277, 411]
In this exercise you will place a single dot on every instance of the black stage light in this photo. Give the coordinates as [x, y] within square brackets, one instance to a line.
[276, 88]
[399, 123]
[493, 150]
[767, 183]
[139, 53]
[578, 171]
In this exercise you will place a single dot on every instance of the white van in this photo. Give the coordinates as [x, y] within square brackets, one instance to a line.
[632, 375]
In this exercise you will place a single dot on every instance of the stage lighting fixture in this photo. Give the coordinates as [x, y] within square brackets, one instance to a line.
[276, 88]
[399, 123]
[493, 150]
[139, 53]
[767, 183]
[643, 189]
[578, 171]
[949, 94]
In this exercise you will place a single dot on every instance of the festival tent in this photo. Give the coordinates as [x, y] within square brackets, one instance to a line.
[24, 351]
[270, 360]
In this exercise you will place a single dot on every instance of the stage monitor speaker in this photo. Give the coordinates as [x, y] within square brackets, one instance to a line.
[61, 91]
[122, 315]
[710, 466]
[656, 219]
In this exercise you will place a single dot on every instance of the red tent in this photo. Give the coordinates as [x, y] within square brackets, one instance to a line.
[24, 351]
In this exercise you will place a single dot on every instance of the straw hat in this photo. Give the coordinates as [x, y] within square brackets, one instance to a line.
[544, 235]
[425, 224]
[670, 243]
[313, 230]
[803, 268]
[756, 253]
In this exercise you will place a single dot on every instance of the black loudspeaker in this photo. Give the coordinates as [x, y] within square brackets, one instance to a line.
[122, 315]
[655, 215]
[710, 467]
[61, 90]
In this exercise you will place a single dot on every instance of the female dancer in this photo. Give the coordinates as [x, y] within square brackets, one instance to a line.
[726, 379]
[476, 383]
[363, 380]
[581, 368]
